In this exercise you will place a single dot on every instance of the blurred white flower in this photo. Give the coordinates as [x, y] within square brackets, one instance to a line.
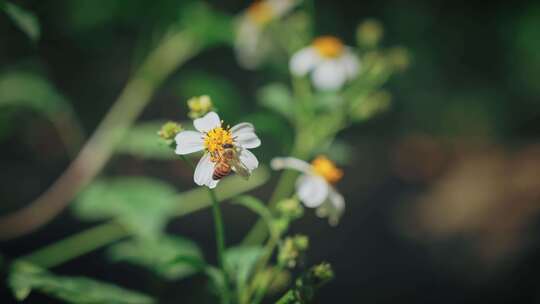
[329, 61]
[210, 137]
[251, 45]
[315, 186]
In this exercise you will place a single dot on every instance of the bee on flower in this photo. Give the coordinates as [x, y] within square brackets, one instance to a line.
[330, 63]
[225, 149]
[251, 44]
[315, 186]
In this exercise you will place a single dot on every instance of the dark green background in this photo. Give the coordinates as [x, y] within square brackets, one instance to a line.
[475, 74]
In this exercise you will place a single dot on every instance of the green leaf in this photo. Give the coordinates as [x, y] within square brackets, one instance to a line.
[258, 207]
[143, 205]
[24, 278]
[240, 262]
[25, 20]
[170, 257]
[222, 91]
[277, 97]
[21, 88]
[142, 140]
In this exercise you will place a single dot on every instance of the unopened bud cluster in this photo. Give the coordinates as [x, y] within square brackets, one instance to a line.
[291, 250]
[199, 106]
[169, 130]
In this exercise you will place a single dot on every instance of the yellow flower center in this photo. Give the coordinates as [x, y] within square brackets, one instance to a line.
[260, 12]
[215, 139]
[327, 169]
[328, 46]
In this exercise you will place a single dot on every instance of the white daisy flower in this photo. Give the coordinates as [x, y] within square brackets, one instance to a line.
[251, 45]
[329, 61]
[210, 137]
[315, 186]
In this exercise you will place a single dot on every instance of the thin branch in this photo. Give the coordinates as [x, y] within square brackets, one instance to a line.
[172, 52]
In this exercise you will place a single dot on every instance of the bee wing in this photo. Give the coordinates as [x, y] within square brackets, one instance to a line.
[240, 168]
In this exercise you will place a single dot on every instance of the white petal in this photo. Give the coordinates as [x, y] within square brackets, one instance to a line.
[312, 190]
[333, 208]
[248, 159]
[203, 171]
[350, 63]
[329, 75]
[244, 134]
[282, 7]
[207, 122]
[280, 163]
[303, 61]
[188, 142]
[212, 184]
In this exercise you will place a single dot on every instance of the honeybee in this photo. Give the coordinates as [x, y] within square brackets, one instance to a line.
[228, 161]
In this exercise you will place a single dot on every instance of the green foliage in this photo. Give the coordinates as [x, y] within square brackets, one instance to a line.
[277, 97]
[142, 140]
[223, 93]
[25, 20]
[240, 262]
[143, 205]
[24, 278]
[170, 257]
[27, 89]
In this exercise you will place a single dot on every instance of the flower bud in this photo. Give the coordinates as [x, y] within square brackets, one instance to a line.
[290, 208]
[399, 58]
[369, 33]
[291, 249]
[199, 106]
[323, 272]
[372, 105]
[169, 130]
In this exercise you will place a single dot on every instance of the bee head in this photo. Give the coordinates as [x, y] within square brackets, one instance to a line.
[227, 146]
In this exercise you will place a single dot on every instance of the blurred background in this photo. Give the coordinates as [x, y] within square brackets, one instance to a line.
[442, 190]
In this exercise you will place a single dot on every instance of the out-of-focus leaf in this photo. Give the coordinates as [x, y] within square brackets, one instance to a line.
[240, 261]
[207, 24]
[276, 97]
[224, 95]
[20, 88]
[217, 280]
[25, 20]
[24, 278]
[142, 140]
[143, 205]
[170, 257]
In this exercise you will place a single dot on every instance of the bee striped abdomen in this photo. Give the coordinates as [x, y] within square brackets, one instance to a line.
[221, 170]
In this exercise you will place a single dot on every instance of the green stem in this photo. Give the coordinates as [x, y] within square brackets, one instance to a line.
[284, 188]
[220, 242]
[76, 245]
[161, 62]
[220, 234]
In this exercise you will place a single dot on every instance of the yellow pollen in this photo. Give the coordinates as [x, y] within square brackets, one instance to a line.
[260, 12]
[327, 169]
[215, 139]
[328, 46]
